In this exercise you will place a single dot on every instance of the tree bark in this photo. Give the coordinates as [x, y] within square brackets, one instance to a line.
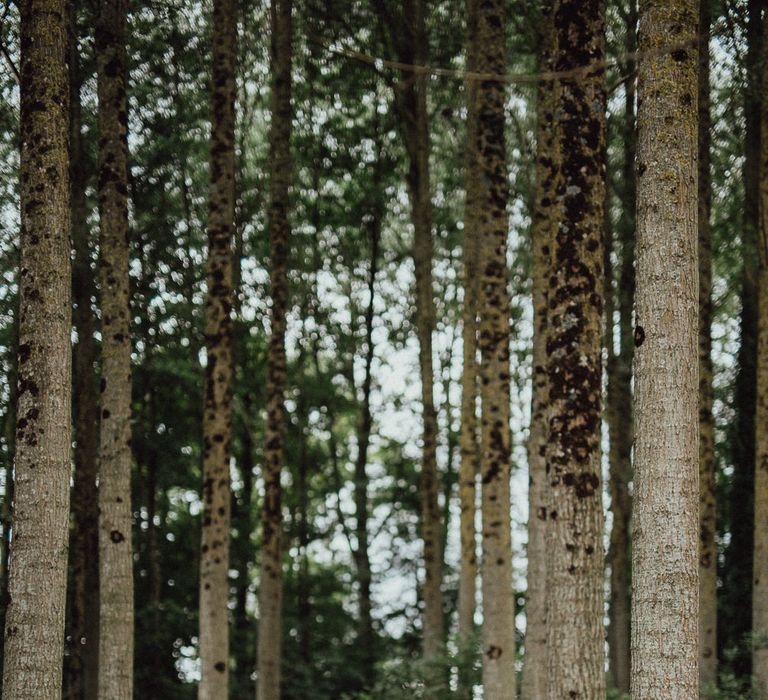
[34, 631]
[534, 679]
[575, 635]
[489, 169]
[271, 589]
[666, 489]
[619, 395]
[760, 558]
[82, 680]
[707, 485]
[468, 439]
[115, 551]
[217, 409]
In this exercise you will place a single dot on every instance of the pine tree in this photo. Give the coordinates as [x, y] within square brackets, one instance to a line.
[115, 548]
[707, 485]
[217, 411]
[34, 630]
[666, 493]
[534, 680]
[270, 592]
[574, 364]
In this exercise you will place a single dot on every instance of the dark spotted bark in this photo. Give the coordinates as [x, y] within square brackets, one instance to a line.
[707, 466]
[574, 363]
[82, 672]
[115, 551]
[217, 408]
[619, 394]
[491, 225]
[469, 438]
[736, 624]
[271, 588]
[34, 630]
[534, 678]
[666, 480]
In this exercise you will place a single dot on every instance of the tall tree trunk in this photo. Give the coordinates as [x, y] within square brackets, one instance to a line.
[665, 533]
[217, 409]
[271, 587]
[619, 395]
[115, 551]
[574, 361]
[468, 439]
[760, 558]
[34, 631]
[534, 680]
[365, 635]
[707, 513]
[737, 572]
[82, 681]
[489, 167]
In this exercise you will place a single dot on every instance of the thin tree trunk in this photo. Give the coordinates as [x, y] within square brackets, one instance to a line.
[666, 489]
[619, 394]
[34, 631]
[82, 681]
[271, 589]
[760, 559]
[115, 551]
[469, 438]
[534, 680]
[490, 170]
[707, 486]
[217, 410]
[575, 635]
[365, 635]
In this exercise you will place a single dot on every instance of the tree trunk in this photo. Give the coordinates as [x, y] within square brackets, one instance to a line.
[82, 681]
[217, 409]
[760, 558]
[575, 635]
[115, 551]
[534, 680]
[619, 395]
[665, 541]
[468, 440]
[271, 588]
[737, 570]
[34, 631]
[488, 158]
[707, 486]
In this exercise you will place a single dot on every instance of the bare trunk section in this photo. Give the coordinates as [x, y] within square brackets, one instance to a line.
[34, 630]
[534, 680]
[666, 485]
[489, 169]
[115, 551]
[271, 586]
[574, 361]
[619, 394]
[82, 680]
[760, 557]
[707, 486]
[217, 409]
[468, 439]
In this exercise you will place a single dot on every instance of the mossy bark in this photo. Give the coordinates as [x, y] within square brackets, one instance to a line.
[575, 635]
[34, 630]
[666, 484]
[534, 678]
[271, 586]
[707, 486]
[217, 408]
[491, 228]
[82, 671]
